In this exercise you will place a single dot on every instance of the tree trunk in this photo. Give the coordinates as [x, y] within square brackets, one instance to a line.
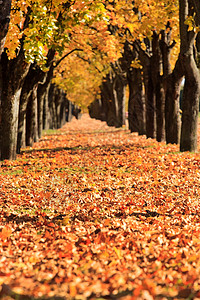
[190, 104]
[63, 108]
[109, 101]
[190, 108]
[198, 50]
[34, 76]
[160, 110]
[150, 103]
[69, 111]
[119, 90]
[43, 93]
[12, 78]
[58, 102]
[158, 92]
[60, 105]
[31, 119]
[113, 99]
[96, 110]
[5, 8]
[172, 109]
[150, 96]
[52, 107]
[171, 82]
[136, 103]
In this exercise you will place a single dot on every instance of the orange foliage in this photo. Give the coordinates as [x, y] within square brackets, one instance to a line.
[140, 18]
[85, 25]
[94, 211]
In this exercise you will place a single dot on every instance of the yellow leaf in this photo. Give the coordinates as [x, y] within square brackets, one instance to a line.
[72, 290]
[65, 221]
[118, 252]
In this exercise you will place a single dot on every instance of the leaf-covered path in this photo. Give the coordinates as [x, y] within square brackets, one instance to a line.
[96, 212]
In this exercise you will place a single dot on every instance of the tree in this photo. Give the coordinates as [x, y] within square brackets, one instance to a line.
[34, 76]
[172, 80]
[189, 22]
[14, 68]
[5, 8]
[40, 27]
[140, 23]
[136, 101]
[109, 100]
[113, 95]
[13, 75]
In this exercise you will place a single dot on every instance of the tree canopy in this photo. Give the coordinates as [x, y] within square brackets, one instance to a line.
[97, 28]
[93, 50]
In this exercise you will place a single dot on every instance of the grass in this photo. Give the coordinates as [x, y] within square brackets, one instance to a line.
[50, 132]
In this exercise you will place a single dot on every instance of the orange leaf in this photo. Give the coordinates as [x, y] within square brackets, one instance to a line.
[72, 290]
[5, 233]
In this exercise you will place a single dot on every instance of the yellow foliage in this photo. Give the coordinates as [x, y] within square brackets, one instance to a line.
[136, 64]
[80, 79]
[84, 25]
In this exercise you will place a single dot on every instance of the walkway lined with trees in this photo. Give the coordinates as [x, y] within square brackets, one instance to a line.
[93, 209]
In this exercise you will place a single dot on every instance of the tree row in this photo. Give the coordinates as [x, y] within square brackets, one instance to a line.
[154, 87]
[94, 49]
[35, 38]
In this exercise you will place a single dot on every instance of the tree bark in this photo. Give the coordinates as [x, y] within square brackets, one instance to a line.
[109, 101]
[160, 111]
[31, 119]
[119, 89]
[52, 107]
[172, 108]
[69, 111]
[5, 8]
[63, 108]
[150, 102]
[34, 76]
[136, 103]
[96, 110]
[13, 73]
[150, 96]
[198, 50]
[190, 104]
[158, 92]
[60, 105]
[171, 82]
[42, 94]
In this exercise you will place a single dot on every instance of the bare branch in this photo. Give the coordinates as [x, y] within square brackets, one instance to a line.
[66, 55]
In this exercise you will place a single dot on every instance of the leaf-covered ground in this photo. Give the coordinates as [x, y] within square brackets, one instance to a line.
[94, 212]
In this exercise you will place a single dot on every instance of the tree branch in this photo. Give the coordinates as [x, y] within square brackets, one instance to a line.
[196, 5]
[172, 45]
[89, 62]
[62, 58]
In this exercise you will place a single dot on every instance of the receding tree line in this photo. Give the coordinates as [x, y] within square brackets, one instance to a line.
[29, 102]
[154, 105]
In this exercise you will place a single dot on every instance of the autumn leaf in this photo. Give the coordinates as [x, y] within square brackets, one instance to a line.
[83, 216]
[5, 232]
